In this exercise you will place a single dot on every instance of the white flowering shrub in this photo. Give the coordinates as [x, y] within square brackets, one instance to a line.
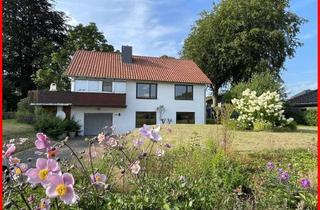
[267, 107]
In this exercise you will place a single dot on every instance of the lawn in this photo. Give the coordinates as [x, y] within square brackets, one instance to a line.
[243, 141]
[15, 130]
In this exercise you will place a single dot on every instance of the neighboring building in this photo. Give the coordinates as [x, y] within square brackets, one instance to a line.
[125, 91]
[306, 99]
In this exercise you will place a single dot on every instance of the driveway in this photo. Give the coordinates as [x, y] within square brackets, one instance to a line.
[77, 144]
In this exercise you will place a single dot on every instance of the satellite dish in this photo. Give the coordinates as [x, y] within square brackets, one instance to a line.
[61, 115]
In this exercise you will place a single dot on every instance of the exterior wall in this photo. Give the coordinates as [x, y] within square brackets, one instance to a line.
[124, 118]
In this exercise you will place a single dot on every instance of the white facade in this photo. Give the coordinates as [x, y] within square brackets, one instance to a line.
[124, 118]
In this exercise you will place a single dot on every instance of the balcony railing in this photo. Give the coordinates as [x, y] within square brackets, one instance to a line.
[67, 98]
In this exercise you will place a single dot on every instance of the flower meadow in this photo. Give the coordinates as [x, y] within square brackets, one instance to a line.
[261, 112]
[146, 172]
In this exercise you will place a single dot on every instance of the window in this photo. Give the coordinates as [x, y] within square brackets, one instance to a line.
[107, 86]
[81, 85]
[148, 118]
[185, 118]
[146, 91]
[183, 92]
[93, 86]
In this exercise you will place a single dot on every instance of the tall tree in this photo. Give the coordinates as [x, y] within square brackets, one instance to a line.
[241, 37]
[31, 30]
[79, 37]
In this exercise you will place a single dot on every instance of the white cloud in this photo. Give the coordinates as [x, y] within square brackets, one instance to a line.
[134, 22]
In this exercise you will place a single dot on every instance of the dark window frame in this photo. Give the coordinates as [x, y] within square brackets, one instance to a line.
[194, 117]
[150, 97]
[186, 86]
[152, 112]
[103, 86]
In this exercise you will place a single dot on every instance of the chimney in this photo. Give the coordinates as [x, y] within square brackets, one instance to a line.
[126, 54]
[53, 87]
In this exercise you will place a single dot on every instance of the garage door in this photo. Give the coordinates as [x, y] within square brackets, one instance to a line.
[95, 122]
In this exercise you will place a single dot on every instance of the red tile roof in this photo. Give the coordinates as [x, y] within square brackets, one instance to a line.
[110, 65]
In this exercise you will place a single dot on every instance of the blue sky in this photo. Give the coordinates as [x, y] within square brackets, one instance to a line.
[157, 27]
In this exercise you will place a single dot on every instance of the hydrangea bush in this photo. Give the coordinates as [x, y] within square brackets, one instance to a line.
[266, 108]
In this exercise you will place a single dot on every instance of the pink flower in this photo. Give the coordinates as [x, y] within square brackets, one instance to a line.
[305, 183]
[53, 152]
[145, 131]
[61, 186]
[44, 167]
[14, 160]
[137, 143]
[20, 168]
[42, 141]
[101, 138]
[31, 199]
[135, 167]
[155, 136]
[44, 204]
[11, 149]
[150, 133]
[98, 179]
[112, 142]
[159, 152]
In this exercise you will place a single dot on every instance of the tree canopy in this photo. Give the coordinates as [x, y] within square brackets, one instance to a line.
[31, 30]
[80, 37]
[239, 38]
[259, 82]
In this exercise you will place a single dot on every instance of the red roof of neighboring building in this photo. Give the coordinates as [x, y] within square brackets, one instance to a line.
[110, 65]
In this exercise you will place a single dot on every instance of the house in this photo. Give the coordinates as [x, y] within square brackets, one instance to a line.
[304, 100]
[127, 91]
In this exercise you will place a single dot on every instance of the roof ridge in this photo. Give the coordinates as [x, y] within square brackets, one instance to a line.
[144, 56]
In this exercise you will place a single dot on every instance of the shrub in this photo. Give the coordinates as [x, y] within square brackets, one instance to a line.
[72, 125]
[296, 114]
[266, 107]
[51, 125]
[262, 125]
[25, 117]
[210, 121]
[311, 117]
[25, 112]
[238, 125]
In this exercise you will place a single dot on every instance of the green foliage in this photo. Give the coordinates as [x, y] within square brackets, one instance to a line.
[262, 125]
[25, 112]
[311, 117]
[210, 121]
[238, 125]
[239, 38]
[80, 37]
[72, 125]
[31, 31]
[49, 124]
[260, 82]
[295, 113]
[25, 117]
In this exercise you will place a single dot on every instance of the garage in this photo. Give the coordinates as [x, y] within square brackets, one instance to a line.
[95, 122]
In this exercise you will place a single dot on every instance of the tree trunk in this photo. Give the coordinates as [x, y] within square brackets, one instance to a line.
[214, 96]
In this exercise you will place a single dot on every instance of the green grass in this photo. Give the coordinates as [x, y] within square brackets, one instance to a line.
[242, 141]
[15, 130]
